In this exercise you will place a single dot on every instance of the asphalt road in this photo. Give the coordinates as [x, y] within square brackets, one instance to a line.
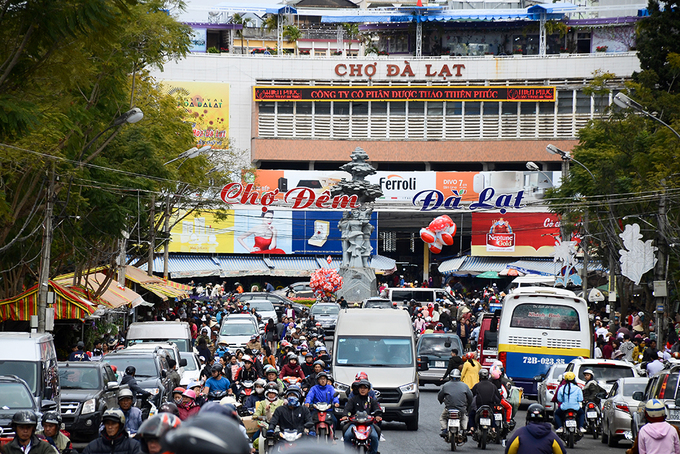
[427, 440]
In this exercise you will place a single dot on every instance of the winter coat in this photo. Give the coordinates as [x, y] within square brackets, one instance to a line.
[326, 394]
[297, 418]
[658, 438]
[60, 442]
[535, 438]
[288, 371]
[38, 446]
[120, 444]
[570, 397]
[470, 374]
[133, 419]
[455, 394]
[187, 411]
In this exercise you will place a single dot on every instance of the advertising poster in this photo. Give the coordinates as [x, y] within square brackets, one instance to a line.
[317, 232]
[203, 233]
[207, 105]
[514, 234]
[461, 182]
[198, 40]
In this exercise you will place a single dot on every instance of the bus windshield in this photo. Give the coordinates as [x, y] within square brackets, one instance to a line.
[545, 316]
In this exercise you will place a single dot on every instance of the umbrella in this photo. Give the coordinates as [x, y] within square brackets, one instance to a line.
[510, 272]
[488, 275]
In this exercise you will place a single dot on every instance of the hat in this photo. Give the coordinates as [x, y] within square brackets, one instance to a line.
[638, 328]
[641, 314]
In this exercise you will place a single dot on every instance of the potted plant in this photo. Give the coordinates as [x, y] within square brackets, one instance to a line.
[601, 48]
[382, 52]
[213, 50]
[303, 52]
[337, 52]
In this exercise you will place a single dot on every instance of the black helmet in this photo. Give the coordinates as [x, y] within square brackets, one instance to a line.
[364, 382]
[169, 407]
[24, 417]
[130, 370]
[321, 374]
[51, 417]
[291, 356]
[535, 413]
[484, 374]
[157, 425]
[295, 390]
[216, 368]
[198, 434]
[320, 363]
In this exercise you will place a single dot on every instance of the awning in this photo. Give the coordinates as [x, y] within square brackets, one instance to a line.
[477, 265]
[155, 285]
[67, 305]
[114, 296]
[451, 265]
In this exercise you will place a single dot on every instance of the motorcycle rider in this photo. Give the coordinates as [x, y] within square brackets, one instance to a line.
[173, 375]
[51, 423]
[592, 388]
[484, 393]
[569, 397]
[133, 415]
[200, 397]
[188, 407]
[211, 433]
[536, 437]
[363, 402]
[177, 395]
[217, 383]
[168, 407]
[24, 423]
[657, 436]
[292, 415]
[310, 380]
[247, 373]
[454, 395]
[130, 380]
[257, 396]
[503, 390]
[292, 368]
[455, 362]
[265, 409]
[113, 438]
[272, 376]
[150, 433]
[308, 365]
[323, 392]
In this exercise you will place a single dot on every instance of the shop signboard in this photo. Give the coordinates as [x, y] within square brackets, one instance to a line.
[514, 234]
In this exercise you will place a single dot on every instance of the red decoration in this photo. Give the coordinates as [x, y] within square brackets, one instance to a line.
[439, 233]
[325, 281]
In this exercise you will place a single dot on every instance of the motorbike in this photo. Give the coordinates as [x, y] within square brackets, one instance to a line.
[216, 395]
[289, 381]
[323, 423]
[287, 439]
[246, 389]
[363, 425]
[570, 433]
[147, 406]
[483, 433]
[502, 429]
[593, 419]
[456, 434]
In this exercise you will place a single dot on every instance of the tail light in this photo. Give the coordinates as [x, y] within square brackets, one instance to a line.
[551, 386]
[623, 407]
[570, 414]
[591, 405]
[503, 357]
[485, 413]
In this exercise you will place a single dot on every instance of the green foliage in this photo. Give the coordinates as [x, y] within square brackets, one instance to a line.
[213, 50]
[658, 35]
[291, 33]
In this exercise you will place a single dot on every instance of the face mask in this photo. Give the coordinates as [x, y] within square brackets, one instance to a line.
[293, 402]
[259, 390]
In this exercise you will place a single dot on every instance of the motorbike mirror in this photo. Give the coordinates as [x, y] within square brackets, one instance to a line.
[183, 362]
[602, 395]
[164, 373]
[638, 395]
[336, 393]
[539, 377]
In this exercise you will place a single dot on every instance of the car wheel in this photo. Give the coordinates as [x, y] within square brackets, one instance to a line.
[605, 432]
[612, 442]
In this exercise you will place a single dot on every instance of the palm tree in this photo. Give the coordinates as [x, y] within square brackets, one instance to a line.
[244, 21]
[292, 34]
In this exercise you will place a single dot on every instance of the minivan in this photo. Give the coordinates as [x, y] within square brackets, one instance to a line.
[177, 332]
[382, 344]
[33, 358]
[420, 295]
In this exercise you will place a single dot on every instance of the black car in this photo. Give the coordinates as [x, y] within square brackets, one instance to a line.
[88, 388]
[152, 371]
[15, 395]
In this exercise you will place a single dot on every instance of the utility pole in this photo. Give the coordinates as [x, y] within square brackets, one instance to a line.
[152, 234]
[586, 259]
[44, 276]
[660, 270]
[166, 244]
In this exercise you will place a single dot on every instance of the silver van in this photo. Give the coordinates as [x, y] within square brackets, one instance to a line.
[178, 333]
[33, 358]
[380, 343]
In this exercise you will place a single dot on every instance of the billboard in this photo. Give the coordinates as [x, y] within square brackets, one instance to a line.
[207, 106]
[514, 234]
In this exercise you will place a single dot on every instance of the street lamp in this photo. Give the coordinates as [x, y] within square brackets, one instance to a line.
[625, 102]
[531, 165]
[190, 153]
[566, 158]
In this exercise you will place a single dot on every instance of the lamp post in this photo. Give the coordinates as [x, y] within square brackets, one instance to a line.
[534, 167]
[625, 102]
[131, 116]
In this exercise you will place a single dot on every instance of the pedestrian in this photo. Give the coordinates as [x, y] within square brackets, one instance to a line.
[657, 437]
[470, 372]
[536, 437]
[78, 353]
[268, 287]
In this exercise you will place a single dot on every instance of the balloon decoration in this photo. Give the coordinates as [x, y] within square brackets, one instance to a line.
[325, 281]
[439, 233]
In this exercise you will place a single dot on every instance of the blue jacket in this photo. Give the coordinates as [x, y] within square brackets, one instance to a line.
[570, 396]
[133, 419]
[535, 439]
[322, 394]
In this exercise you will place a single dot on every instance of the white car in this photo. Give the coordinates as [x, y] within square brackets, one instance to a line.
[548, 384]
[606, 371]
[192, 371]
[264, 308]
[169, 347]
[236, 332]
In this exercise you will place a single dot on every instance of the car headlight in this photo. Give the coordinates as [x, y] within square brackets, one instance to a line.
[408, 388]
[89, 406]
[342, 387]
[153, 391]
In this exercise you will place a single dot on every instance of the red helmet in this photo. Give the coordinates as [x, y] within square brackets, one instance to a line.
[361, 376]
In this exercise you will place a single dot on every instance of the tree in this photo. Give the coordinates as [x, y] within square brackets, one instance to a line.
[292, 34]
[240, 20]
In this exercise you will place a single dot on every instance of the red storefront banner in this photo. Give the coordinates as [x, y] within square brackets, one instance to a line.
[514, 234]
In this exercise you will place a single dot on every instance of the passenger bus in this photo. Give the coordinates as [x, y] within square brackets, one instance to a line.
[541, 326]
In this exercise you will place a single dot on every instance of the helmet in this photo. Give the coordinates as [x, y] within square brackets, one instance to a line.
[589, 371]
[569, 376]
[495, 374]
[364, 382]
[291, 356]
[269, 368]
[125, 393]
[321, 374]
[255, 351]
[114, 415]
[198, 435]
[271, 388]
[130, 370]
[216, 368]
[51, 417]
[247, 359]
[361, 375]
[294, 389]
[178, 390]
[193, 384]
[484, 374]
[309, 355]
[222, 408]
[259, 382]
[157, 425]
[190, 393]
[320, 363]
[535, 413]
[655, 408]
[24, 417]
[454, 375]
[169, 407]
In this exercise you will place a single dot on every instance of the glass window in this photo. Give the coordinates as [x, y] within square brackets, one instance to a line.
[378, 108]
[79, 378]
[631, 388]
[558, 370]
[359, 108]
[325, 309]
[490, 108]
[397, 108]
[262, 306]
[545, 316]
[340, 108]
[607, 372]
[565, 101]
[285, 107]
[367, 351]
[671, 384]
[25, 370]
[15, 396]
[303, 108]
[454, 108]
[546, 108]
[238, 329]
[435, 108]
[509, 108]
[528, 108]
[472, 108]
[322, 108]
[416, 108]
[191, 361]
[582, 103]
[401, 295]
[146, 367]
[267, 107]
[436, 346]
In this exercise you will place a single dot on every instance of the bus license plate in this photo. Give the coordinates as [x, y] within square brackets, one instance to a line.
[570, 423]
[439, 364]
[485, 421]
[591, 414]
[454, 423]
[498, 417]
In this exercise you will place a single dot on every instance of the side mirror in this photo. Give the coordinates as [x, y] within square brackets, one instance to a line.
[677, 402]
[164, 373]
[539, 377]
[423, 363]
[638, 395]
[336, 393]
[48, 405]
[112, 385]
[182, 362]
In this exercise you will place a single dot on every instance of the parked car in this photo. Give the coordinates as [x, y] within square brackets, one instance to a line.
[236, 332]
[616, 410]
[326, 314]
[297, 290]
[151, 372]
[487, 341]
[548, 384]
[15, 395]
[178, 333]
[662, 386]
[433, 351]
[377, 303]
[606, 371]
[192, 370]
[88, 389]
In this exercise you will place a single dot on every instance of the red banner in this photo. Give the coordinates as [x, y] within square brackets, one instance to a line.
[514, 234]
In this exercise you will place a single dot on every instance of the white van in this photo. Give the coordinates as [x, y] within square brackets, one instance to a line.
[380, 343]
[421, 295]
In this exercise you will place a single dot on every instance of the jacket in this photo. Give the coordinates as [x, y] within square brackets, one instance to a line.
[325, 394]
[187, 411]
[60, 442]
[454, 363]
[658, 438]
[287, 371]
[120, 444]
[358, 403]
[455, 394]
[570, 397]
[486, 393]
[298, 418]
[470, 374]
[266, 409]
[174, 377]
[252, 400]
[131, 382]
[535, 438]
[38, 446]
[247, 374]
[133, 419]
